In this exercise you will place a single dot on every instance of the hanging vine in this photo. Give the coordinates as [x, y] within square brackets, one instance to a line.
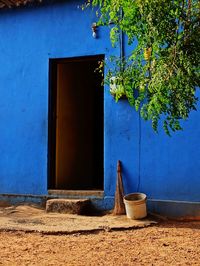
[162, 73]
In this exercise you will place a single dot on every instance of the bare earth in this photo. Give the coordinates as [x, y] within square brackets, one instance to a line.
[167, 243]
[29, 236]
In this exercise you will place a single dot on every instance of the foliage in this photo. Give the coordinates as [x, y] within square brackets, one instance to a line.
[162, 73]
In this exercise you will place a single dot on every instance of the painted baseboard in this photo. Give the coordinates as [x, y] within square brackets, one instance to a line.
[175, 209]
[14, 199]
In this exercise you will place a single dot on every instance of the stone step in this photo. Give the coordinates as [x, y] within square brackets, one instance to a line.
[71, 206]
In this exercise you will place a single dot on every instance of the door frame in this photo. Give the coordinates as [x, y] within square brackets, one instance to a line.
[51, 157]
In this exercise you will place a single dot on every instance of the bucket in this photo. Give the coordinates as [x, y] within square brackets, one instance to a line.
[135, 205]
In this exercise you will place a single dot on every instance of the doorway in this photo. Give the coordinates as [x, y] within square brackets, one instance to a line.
[76, 124]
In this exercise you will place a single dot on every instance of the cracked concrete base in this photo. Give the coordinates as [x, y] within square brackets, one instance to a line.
[31, 219]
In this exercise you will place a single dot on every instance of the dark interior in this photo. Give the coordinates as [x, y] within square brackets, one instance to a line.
[76, 124]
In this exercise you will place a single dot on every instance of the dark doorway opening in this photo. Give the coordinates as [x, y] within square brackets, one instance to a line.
[76, 124]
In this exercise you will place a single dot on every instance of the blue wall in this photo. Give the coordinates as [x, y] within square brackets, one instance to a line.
[170, 166]
[162, 167]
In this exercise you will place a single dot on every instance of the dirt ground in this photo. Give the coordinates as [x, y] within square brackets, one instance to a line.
[29, 218]
[165, 243]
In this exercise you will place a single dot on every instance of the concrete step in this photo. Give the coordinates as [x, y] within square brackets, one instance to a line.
[71, 206]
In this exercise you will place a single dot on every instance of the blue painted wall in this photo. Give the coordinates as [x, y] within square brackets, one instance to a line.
[162, 167]
[170, 166]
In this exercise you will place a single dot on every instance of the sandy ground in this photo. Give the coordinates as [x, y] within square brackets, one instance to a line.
[147, 243]
[167, 243]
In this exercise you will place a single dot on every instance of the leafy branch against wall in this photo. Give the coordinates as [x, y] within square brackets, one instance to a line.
[161, 74]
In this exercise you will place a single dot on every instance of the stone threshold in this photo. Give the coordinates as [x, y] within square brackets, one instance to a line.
[76, 193]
